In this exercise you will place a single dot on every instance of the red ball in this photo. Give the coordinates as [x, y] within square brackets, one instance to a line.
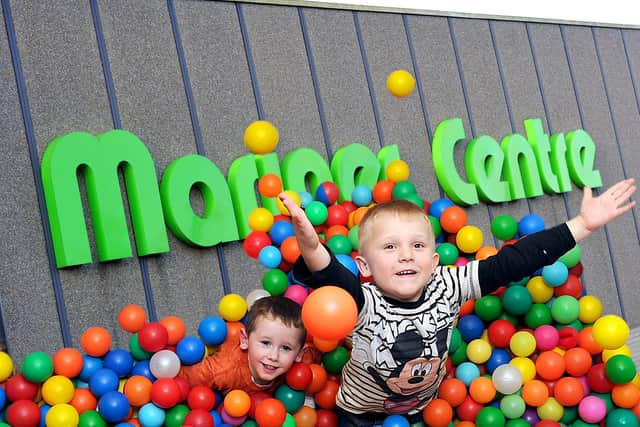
[270, 185]
[468, 409]
[438, 413]
[198, 418]
[578, 361]
[453, 219]
[326, 397]
[18, 388]
[299, 376]
[326, 418]
[256, 398]
[568, 391]
[153, 337]
[550, 365]
[201, 397]
[383, 191]
[548, 423]
[23, 413]
[329, 313]
[270, 413]
[348, 206]
[254, 242]
[185, 387]
[572, 287]
[165, 393]
[598, 380]
[500, 332]
[337, 215]
[328, 193]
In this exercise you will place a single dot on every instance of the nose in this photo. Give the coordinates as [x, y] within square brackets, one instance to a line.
[273, 353]
[405, 253]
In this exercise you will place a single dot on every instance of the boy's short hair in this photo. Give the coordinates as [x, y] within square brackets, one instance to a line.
[400, 207]
[280, 308]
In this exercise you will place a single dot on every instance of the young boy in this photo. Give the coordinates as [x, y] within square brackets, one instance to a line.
[407, 312]
[273, 340]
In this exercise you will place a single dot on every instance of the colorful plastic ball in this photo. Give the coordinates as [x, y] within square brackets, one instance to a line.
[119, 361]
[57, 389]
[202, 397]
[572, 257]
[190, 350]
[329, 313]
[165, 392]
[470, 327]
[625, 395]
[507, 379]
[467, 372]
[275, 281]
[23, 413]
[37, 366]
[89, 366]
[469, 238]
[555, 274]
[164, 364]
[578, 361]
[103, 381]
[592, 409]
[500, 332]
[260, 219]
[504, 227]
[620, 369]
[488, 307]
[280, 231]
[448, 253]
[95, 341]
[565, 309]
[547, 337]
[383, 191]
[294, 196]
[482, 390]
[270, 413]
[318, 378]
[137, 389]
[490, 417]
[113, 406]
[529, 224]
[453, 391]
[598, 380]
[237, 403]
[252, 297]
[339, 244]
[550, 365]
[540, 291]
[590, 309]
[297, 293]
[67, 362]
[348, 262]
[538, 315]
[327, 193]
[522, 343]
[212, 330]
[516, 300]
[6, 366]
[478, 351]
[438, 206]
[550, 410]
[292, 399]
[316, 212]
[404, 190]
[299, 376]
[132, 318]
[468, 410]
[232, 307]
[512, 406]
[361, 195]
[395, 421]
[535, 393]
[269, 185]
[526, 366]
[610, 331]
[622, 417]
[453, 219]
[400, 83]
[254, 242]
[150, 415]
[261, 137]
[153, 337]
[270, 257]
[498, 357]
[62, 415]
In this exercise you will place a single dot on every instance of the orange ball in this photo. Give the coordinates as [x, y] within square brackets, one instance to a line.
[83, 400]
[453, 219]
[67, 362]
[482, 390]
[625, 395]
[137, 389]
[358, 214]
[383, 191]
[438, 413]
[270, 413]
[132, 318]
[318, 378]
[270, 185]
[325, 346]
[305, 417]
[485, 252]
[535, 393]
[326, 397]
[453, 391]
[329, 313]
[568, 391]
[586, 341]
[578, 361]
[550, 365]
[336, 229]
[175, 327]
[237, 403]
[289, 249]
[96, 341]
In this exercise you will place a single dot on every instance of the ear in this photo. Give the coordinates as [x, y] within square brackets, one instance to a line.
[244, 339]
[363, 266]
[435, 260]
[300, 354]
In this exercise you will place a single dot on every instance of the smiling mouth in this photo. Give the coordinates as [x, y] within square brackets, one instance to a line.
[269, 368]
[406, 273]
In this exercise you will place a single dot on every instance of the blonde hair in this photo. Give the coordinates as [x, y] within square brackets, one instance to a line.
[400, 208]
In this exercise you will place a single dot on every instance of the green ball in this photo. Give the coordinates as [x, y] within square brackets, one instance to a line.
[538, 315]
[565, 309]
[620, 369]
[580, 423]
[512, 406]
[521, 282]
[138, 352]
[175, 416]
[460, 355]
[317, 212]
[571, 258]
[569, 415]
[448, 253]
[92, 419]
[456, 339]
[606, 398]
[275, 281]
[339, 244]
[249, 423]
[504, 227]
[415, 199]
[488, 307]
[517, 423]
[510, 318]
[289, 421]
[516, 300]
[335, 360]
[402, 189]
[435, 224]
[490, 417]
[37, 366]
[622, 418]
[353, 237]
[290, 398]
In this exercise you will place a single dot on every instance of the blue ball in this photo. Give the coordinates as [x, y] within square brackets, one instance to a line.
[555, 274]
[44, 408]
[113, 406]
[471, 327]
[270, 257]
[90, 364]
[190, 350]
[467, 372]
[498, 357]
[3, 398]
[438, 206]
[217, 419]
[305, 199]
[212, 330]
[103, 381]
[529, 224]
[151, 416]
[348, 262]
[142, 368]
[395, 421]
[120, 361]
[279, 231]
[361, 195]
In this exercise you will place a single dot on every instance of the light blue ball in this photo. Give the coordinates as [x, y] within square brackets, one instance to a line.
[555, 274]
[467, 372]
[270, 256]
[348, 262]
[361, 195]
[151, 416]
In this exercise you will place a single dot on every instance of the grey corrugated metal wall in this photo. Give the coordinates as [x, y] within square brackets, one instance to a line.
[189, 76]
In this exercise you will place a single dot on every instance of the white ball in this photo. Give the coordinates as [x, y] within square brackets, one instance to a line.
[164, 364]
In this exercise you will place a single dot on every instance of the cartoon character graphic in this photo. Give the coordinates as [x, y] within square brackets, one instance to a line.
[414, 374]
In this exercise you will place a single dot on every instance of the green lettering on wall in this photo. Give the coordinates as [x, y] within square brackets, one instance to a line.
[354, 165]
[447, 134]
[520, 168]
[559, 162]
[98, 159]
[386, 155]
[539, 141]
[483, 162]
[581, 153]
[215, 225]
[241, 177]
[302, 167]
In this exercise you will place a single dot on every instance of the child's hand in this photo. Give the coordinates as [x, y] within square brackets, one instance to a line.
[598, 211]
[315, 255]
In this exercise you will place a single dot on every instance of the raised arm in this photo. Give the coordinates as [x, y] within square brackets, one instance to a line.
[598, 211]
[315, 256]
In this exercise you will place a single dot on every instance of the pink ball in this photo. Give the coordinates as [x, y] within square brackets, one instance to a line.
[547, 337]
[231, 420]
[461, 261]
[592, 409]
[585, 384]
[296, 293]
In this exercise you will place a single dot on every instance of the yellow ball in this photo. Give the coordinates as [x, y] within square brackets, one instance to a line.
[232, 307]
[469, 239]
[478, 351]
[609, 353]
[57, 389]
[550, 410]
[526, 367]
[260, 219]
[261, 137]
[397, 170]
[522, 343]
[610, 331]
[62, 415]
[400, 83]
[539, 290]
[590, 309]
[294, 196]
[6, 366]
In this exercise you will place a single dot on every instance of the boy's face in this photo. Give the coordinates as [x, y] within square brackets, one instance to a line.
[272, 348]
[399, 254]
